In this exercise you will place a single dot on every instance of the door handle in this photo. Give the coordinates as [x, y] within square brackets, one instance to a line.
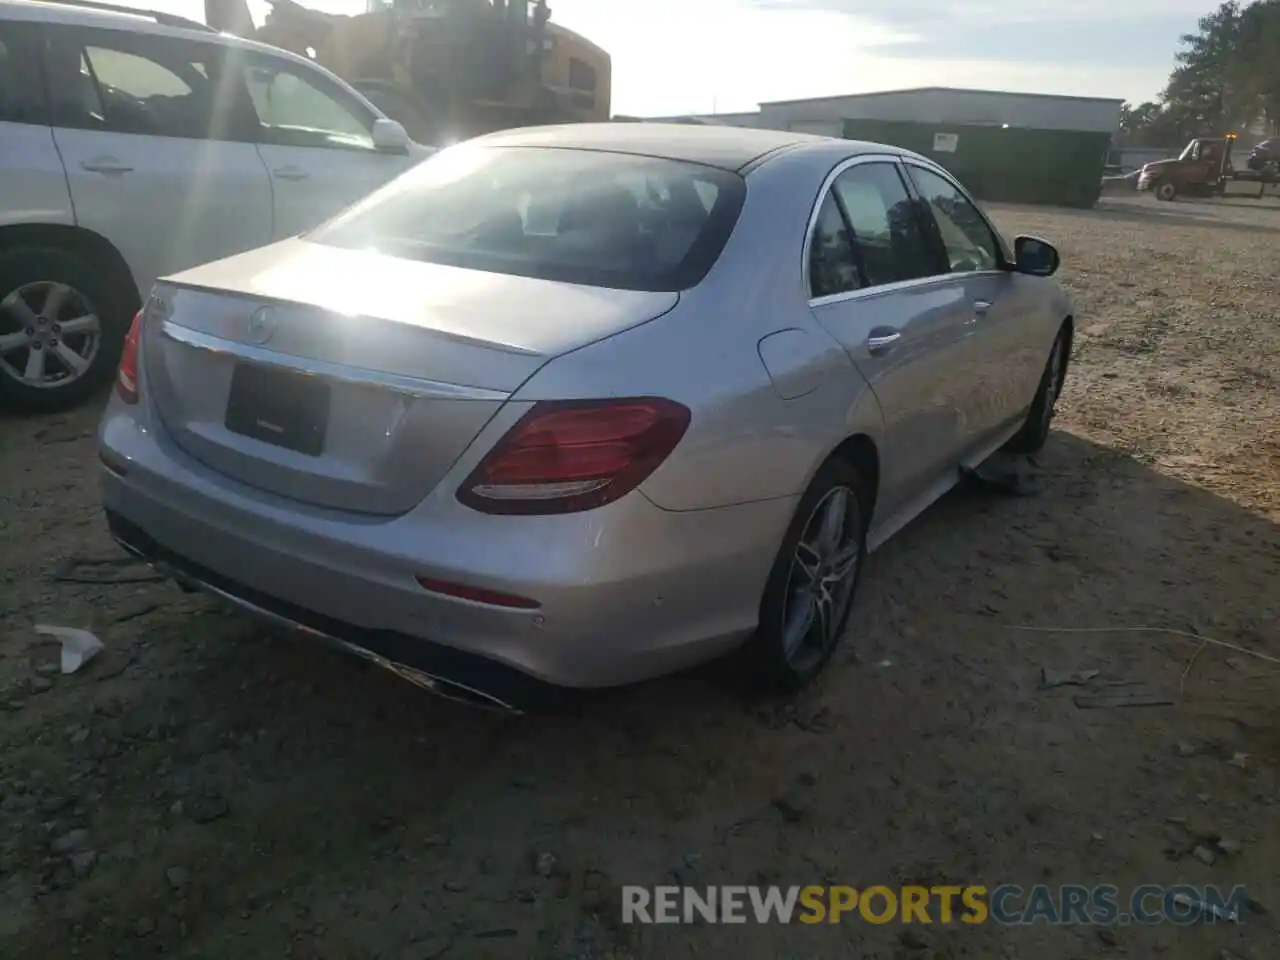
[290, 173]
[105, 165]
[880, 342]
[980, 307]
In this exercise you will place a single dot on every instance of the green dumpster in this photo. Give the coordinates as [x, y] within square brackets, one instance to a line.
[1004, 164]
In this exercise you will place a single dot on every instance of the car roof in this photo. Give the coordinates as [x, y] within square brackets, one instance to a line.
[89, 14]
[141, 20]
[730, 148]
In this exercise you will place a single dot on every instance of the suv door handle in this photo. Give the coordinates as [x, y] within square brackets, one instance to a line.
[880, 342]
[105, 165]
[290, 173]
[981, 306]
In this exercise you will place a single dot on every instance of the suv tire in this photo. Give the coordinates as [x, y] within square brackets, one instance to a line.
[36, 279]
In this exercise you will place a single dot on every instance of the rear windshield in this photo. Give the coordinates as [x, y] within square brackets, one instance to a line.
[579, 216]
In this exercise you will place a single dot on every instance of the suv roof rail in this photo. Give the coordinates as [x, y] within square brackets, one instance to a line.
[159, 16]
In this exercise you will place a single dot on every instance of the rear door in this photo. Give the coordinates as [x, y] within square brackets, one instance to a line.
[156, 147]
[1002, 351]
[874, 288]
[33, 187]
[316, 140]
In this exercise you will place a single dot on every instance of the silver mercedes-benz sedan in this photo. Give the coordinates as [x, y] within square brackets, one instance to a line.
[581, 405]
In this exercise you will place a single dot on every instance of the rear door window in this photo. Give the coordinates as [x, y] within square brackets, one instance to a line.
[887, 234]
[120, 82]
[21, 86]
[579, 216]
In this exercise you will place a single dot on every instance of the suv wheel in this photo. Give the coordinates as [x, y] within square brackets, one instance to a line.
[62, 328]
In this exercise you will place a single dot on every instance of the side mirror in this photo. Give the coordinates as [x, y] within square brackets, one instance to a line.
[389, 136]
[1034, 256]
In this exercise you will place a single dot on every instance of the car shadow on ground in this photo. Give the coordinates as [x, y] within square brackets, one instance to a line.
[350, 811]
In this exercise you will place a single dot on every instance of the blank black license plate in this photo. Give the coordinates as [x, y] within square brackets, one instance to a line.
[286, 409]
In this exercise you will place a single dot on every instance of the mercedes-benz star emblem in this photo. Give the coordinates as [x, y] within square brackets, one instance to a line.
[262, 324]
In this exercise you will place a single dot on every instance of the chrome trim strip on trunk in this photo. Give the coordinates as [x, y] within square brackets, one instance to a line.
[394, 382]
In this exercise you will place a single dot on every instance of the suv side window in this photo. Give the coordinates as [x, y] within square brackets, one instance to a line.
[968, 240]
[21, 86]
[297, 107]
[886, 230]
[832, 266]
[120, 82]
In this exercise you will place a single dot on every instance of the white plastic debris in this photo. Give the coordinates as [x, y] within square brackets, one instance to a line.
[78, 646]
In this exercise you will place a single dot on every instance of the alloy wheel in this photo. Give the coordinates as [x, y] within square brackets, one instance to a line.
[823, 571]
[50, 334]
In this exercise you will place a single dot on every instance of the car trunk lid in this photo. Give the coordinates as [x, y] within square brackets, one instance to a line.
[352, 380]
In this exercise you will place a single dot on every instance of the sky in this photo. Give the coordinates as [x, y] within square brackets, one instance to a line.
[700, 56]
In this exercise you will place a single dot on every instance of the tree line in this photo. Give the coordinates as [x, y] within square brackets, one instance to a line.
[1227, 78]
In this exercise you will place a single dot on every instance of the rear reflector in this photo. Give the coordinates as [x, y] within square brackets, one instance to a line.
[566, 456]
[478, 594]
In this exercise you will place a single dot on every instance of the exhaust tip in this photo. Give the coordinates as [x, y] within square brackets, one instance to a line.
[452, 690]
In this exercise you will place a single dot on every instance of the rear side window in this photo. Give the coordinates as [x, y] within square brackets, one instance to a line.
[886, 231]
[832, 267]
[579, 216]
[122, 82]
[21, 86]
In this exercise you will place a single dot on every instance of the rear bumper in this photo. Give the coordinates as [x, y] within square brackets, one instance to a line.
[442, 670]
[625, 592]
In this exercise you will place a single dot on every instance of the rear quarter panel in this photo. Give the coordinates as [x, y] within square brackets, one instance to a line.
[745, 442]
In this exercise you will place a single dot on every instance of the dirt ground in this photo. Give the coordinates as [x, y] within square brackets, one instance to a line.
[207, 788]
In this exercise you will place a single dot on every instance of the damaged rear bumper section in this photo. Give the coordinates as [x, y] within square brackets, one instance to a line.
[445, 671]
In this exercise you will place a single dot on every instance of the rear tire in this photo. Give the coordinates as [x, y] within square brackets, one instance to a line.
[1034, 432]
[39, 280]
[809, 595]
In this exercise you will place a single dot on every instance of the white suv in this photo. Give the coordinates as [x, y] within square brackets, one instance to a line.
[135, 144]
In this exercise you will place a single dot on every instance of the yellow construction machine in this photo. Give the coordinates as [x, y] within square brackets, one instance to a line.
[445, 69]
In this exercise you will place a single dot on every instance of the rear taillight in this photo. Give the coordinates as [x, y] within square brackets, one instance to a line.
[127, 375]
[569, 455]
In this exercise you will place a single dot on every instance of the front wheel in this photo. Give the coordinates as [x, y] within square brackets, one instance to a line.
[1034, 433]
[1165, 190]
[809, 594]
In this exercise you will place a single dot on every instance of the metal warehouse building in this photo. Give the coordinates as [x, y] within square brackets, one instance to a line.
[1020, 147]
